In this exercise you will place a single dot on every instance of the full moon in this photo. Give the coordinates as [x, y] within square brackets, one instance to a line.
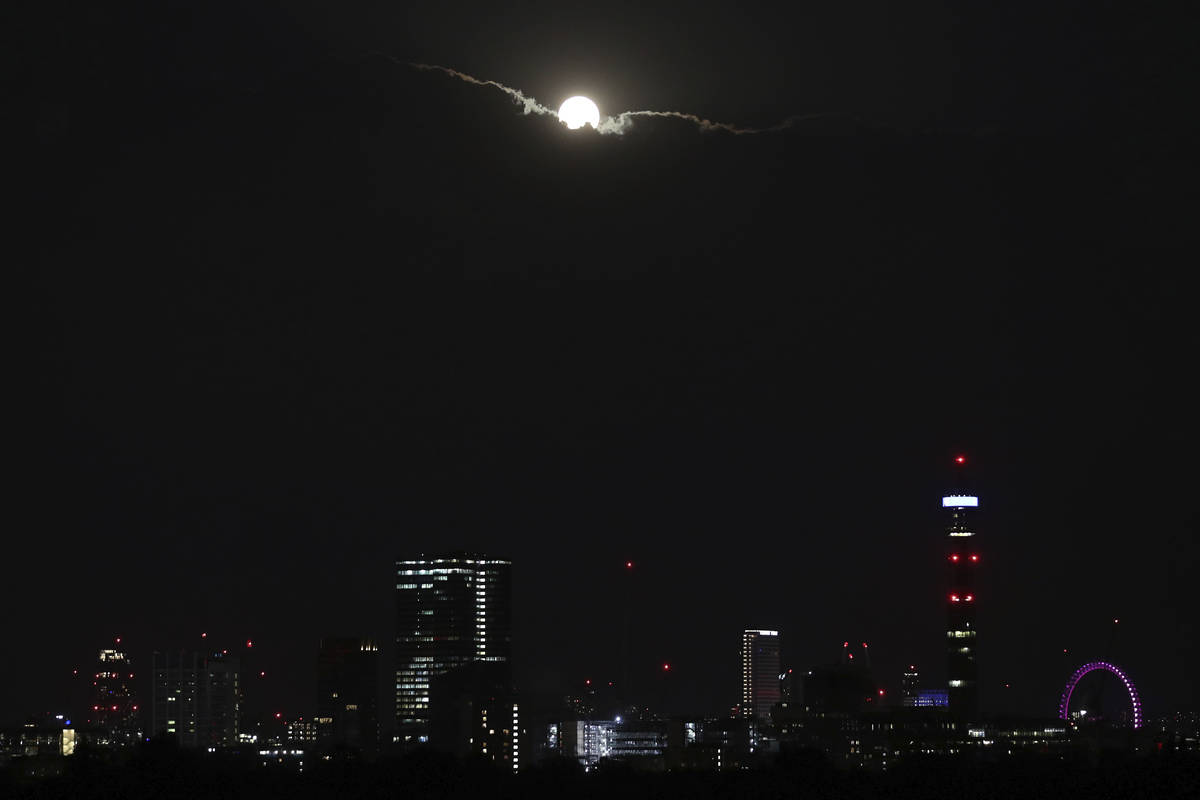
[579, 111]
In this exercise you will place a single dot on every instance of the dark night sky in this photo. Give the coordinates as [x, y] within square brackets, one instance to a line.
[296, 310]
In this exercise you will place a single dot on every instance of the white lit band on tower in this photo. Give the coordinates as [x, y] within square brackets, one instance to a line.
[962, 558]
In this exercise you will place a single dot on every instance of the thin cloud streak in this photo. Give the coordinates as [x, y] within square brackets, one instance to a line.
[622, 122]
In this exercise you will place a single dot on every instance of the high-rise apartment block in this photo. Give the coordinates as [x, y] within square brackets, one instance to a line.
[196, 698]
[760, 675]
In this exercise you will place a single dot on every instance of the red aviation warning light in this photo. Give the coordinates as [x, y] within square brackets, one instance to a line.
[628, 565]
[954, 557]
[666, 667]
[960, 459]
[974, 558]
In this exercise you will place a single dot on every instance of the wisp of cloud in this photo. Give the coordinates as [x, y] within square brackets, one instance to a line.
[622, 122]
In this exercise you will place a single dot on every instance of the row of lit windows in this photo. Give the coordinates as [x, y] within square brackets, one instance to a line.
[435, 572]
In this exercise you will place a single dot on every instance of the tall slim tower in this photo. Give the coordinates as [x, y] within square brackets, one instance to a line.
[962, 557]
[760, 676]
[451, 610]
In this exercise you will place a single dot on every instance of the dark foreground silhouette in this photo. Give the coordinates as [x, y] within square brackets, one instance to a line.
[161, 771]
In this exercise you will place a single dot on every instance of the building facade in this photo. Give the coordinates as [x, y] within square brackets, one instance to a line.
[196, 698]
[760, 675]
[451, 611]
[348, 694]
[114, 708]
[474, 712]
[962, 559]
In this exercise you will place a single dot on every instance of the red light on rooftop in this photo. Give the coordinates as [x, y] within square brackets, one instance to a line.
[881, 692]
[628, 565]
[960, 459]
[864, 645]
[974, 558]
[666, 667]
[954, 557]
[278, 715]
[969, 598]
[845, 644]
[204, 636]
[588, 682]
[118, 640]
[1116, 622]
[249, 643]
[851, 655]
[953, 598]
[262, 674]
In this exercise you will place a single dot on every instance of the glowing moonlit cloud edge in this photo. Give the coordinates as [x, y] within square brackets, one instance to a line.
[619, 123]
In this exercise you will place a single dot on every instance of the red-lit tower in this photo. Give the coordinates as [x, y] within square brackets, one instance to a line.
[114, 709]
[962, 557]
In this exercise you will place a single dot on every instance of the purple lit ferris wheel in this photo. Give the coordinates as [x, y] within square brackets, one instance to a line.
[1064, 705]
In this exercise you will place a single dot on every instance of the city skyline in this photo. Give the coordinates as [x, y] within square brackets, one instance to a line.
[469, 598]
[298, 309]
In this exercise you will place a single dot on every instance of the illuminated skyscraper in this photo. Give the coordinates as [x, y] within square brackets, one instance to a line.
[760, 676]
[962, 669]
[451, 610]
[114, 707]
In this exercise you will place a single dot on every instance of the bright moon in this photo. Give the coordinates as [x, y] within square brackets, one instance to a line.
[579, 111]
